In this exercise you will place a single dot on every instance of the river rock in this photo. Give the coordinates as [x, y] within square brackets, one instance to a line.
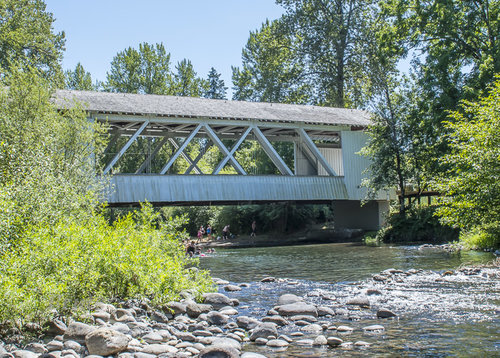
[217, 318]
[264, 330]
[77, 331]
[376, 328]
[219, 352]
[232, 288]
[325, 311]
[217, 300]
[153, 337]
[106, 342]
[280, 321]
[345, 329]
[175, 308]
[288, 298]
[385, 313]
[56, 327]
[298, 308]
[246, 322]
[334, 341]
[277, 343]
[268, 279]
[193, 310]
[312, 328]
[305, 342]
[54, 345]
[320, 340]
[252, 355]
[228, 311]
[309, 319]
[362, 344]
[261, 341]
[219, 281]
[158, 349]
[226, 342]
[373, 291]
[36, 348]
[22, 353]
[73, 345]
[362, 302]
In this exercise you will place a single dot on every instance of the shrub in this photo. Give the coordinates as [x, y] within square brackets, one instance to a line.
[70, 265]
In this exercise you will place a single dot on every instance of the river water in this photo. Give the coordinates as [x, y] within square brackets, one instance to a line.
[440, 313]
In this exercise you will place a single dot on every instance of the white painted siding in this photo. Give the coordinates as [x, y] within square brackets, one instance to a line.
[334, 157]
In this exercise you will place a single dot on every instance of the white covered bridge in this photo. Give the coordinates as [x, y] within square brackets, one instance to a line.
[325, 167]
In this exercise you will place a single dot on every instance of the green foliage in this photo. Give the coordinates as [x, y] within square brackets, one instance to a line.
[27, 39]
[271, 70]
[46, 156]
[418, 224]
[185, 81]
[146, 70]
[278, 217]
[215, 86]
[79, 79]
[472, 183]
[70, 265]
[334, 39]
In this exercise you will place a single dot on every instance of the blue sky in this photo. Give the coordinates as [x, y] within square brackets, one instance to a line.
[209, 33]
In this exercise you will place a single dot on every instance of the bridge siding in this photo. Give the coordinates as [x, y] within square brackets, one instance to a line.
[224, 188]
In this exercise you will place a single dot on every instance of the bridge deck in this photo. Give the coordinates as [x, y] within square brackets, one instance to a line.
[224, 189]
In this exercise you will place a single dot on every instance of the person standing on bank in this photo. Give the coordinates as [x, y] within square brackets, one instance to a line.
[254, 229]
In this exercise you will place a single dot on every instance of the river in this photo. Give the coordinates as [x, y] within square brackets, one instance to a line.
[440, 313]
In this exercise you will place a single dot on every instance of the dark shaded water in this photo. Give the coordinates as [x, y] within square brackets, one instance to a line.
[439, 315]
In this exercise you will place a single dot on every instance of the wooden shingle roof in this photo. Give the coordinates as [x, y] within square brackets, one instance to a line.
[173, 106]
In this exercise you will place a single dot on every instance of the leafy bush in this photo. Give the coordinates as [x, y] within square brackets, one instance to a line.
[67, 266]
[417, 224]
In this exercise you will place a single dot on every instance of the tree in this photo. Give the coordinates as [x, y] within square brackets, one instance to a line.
[146, 70]
[332, 37]
[185, 81]
[216, 88]
[27, 38]
[271, 70]
[79, 79]
[472, 184]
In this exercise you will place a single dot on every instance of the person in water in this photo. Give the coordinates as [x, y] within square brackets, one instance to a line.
[190, 250]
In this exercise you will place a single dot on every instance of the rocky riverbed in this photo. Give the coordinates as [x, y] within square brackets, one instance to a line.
[353, 317]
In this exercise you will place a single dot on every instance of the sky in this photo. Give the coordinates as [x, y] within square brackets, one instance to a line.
[210, 33]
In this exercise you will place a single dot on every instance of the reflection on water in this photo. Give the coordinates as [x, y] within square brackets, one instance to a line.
[330, 262]
[439, 315]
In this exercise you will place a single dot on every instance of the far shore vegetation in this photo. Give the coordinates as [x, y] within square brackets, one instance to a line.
[436, 128]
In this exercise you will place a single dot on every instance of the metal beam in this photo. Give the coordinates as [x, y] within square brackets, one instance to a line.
[125, 147]
[111, 142]
[271, 152]
[315, 151]
[151, 156]
[224, 150]
[220, 122]
[188, 159]
[224, 161]
[199, 156]
[181, 149]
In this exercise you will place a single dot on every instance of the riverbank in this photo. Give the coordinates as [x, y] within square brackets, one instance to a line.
[314, 234]
[365, 319]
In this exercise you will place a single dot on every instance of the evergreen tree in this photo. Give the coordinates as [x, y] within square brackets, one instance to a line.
[79, 79]
[216, 88]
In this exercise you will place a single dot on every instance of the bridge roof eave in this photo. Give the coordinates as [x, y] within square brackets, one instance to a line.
[174, 108]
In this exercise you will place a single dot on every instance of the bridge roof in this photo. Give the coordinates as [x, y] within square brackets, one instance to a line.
[191, 107]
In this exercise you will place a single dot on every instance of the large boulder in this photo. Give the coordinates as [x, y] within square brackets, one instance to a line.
[106, 342]
[299, 308]
[246, 322]
[77, 331]
[217, 318]
[288, 298]
[219, 352]
[217, 300]
[193, 310]
[264, 330]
